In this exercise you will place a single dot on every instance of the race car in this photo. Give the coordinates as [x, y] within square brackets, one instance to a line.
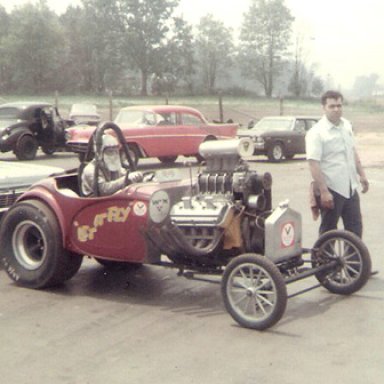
[220, 223]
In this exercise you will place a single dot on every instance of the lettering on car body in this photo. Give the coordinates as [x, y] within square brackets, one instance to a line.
[111, 215]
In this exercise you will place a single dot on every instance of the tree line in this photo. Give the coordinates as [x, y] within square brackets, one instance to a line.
[141, 47]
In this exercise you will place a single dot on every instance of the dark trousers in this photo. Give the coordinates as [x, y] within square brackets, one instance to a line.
[347, 209]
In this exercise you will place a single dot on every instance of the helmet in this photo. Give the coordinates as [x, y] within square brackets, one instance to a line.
[109, 141]
[110, 153]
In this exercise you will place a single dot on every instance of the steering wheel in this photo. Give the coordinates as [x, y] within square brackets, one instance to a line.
[95, 145]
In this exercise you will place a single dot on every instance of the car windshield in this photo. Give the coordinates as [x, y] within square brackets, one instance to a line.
[136, 117]
[83, 110]
[9, 113]
[265, 125]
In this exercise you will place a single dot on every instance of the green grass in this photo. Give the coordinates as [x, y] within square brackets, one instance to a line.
[240, 109]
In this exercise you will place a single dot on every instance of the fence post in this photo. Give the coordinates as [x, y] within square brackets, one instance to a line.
[281, 100]
[221, 112]
[110, 106]
[57, 99]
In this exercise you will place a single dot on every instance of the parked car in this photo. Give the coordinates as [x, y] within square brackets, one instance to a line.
[84, 114]
[16, 178]
[162, 131]
[279, 137]
[24, 126]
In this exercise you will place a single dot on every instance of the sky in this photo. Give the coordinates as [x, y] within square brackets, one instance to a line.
[343, 39]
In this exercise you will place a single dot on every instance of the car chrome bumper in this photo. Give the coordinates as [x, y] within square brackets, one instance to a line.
[259, 146]
[77, 147]
[8, 198]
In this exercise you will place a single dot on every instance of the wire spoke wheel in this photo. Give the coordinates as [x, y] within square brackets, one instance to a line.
[254, 291]
[353, 261]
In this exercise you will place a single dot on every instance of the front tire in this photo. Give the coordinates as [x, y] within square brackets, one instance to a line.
[168, 159]
[353, 267]
[33, 254]
[81, 156]
[48, 149]
[276, 152]
[254, 291]
[26, 148]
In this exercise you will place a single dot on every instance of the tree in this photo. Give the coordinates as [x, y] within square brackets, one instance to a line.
[177, 59]
[299, 81]
[143, 26]
[77, 57]
[264, 39]
[93, 61]
[317, 86]
[5, 69]
[364, 86]
[33, 45]
[179, 53]
[214, 44]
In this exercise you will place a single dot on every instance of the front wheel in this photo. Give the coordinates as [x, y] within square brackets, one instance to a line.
[81, 156]
[167, 159]
[32, 251]
[48, 149]
[353, 262]
[26, 148]
[254, 291]
[276, 152]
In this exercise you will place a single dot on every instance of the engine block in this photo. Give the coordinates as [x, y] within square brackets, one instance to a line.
[225, 188]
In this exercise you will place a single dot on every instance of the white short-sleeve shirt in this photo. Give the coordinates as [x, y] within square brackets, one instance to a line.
[333, 146]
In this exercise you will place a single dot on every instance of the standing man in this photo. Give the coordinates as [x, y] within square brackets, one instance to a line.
[335, 167]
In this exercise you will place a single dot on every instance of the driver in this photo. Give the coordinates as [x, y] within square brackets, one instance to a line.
[111, 175]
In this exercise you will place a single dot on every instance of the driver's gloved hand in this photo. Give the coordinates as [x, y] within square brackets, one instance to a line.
[135, 177]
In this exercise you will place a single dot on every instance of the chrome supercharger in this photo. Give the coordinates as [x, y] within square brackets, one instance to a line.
[226, 226]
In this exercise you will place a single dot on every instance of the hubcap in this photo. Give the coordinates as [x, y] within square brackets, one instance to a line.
[277, 153]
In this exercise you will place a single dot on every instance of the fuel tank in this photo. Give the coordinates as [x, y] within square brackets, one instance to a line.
[283, 234]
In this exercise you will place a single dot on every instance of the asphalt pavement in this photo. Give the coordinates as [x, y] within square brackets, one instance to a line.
[152, 326]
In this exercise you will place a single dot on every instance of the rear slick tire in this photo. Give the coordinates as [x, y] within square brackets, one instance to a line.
[33, 255]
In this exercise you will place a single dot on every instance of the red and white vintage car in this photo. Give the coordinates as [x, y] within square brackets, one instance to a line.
[162, 131]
